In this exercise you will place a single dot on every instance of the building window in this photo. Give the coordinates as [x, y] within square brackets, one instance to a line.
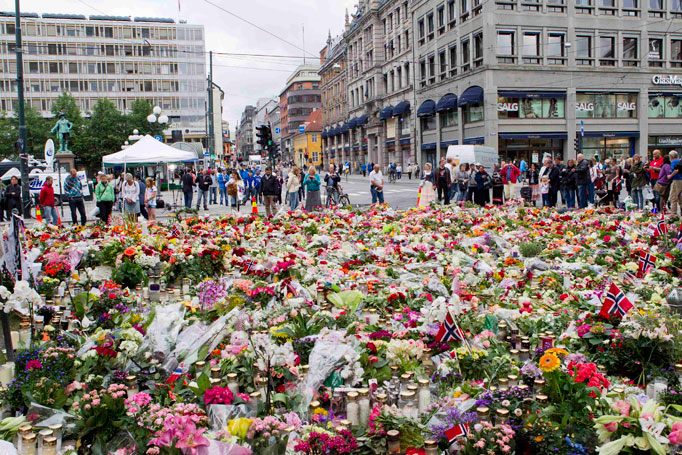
[428, 123]
[452, 13]
[313, 138]
[466, 57]
[655, 56]
[448, 118]
[630, 52]
[530, 48]
[432, 69]
[606, 105]
[665, 106]
[656, 8]
[607, 51]
[531, 5]
[509, 5]
[505, 47]
[676, 8]
[583, 50]
[422, 73]
[556, 6]
[556, 49]
[630, 8]
[443, 64]
[530, 108]
[478, 50]
[463, 10]
[453, 61]
[607, 7]
[472, 113]
[676, 53]
[429, 26]
[584, 6]
[441, 20]
[420, 26]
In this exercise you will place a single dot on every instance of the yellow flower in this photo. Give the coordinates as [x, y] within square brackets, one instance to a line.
[549, 363]
[320, 411]
[239, 427]
[557, 351]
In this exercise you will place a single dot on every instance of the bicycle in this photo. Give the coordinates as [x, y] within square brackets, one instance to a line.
[343, 199]
[392, 177]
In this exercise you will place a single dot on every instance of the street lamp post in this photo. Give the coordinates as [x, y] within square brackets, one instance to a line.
[157, 121]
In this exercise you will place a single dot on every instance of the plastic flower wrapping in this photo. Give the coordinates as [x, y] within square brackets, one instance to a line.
[450, 329]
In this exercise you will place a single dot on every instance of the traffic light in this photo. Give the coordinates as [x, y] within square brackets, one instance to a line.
[576, 144]
[264, 137]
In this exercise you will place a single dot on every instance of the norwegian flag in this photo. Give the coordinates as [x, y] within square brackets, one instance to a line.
[615, 303]
[449, 330]
[646, 261]
[175, 232]
[455, 432]
[661, 228]
[629, 277]
[248, 265]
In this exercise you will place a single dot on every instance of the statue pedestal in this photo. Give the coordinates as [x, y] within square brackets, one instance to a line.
[66, 161]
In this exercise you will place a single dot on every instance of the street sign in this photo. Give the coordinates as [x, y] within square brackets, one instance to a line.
[301, 129]
[49, 152]
[158, 138]
[206, 155]
[277, 130]
[582, 128]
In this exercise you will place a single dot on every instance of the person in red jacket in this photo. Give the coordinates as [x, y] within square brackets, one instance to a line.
[46, 201]
[510, 175]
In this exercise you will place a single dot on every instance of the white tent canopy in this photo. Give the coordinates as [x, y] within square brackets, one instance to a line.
[148, 151]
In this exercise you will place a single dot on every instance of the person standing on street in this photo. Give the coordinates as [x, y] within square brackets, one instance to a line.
[510, 175]
[204, 183]
[235, 190]
[214, 187]
[332, 180]
[105, 195]
[675, 195]
[376, 185]
[582, 180]
[523, 167]
[483, 182]
[270, 189]
[131, 199]
[141, 198]
[443, 182]
[427, 186]
[293, 185]
[654, 169]
[453, 179]
[74, 190]
[312, 184]
[188, 188]
[46, 201]
[638, 181]
[554, 176]
[568, 184]
[223, 178]
[150, 195]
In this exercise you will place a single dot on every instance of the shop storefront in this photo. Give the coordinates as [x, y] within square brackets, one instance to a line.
[513, 104]
[605, 105]
[665, 105]
[603, 145]
[665, 143]
[530, 147]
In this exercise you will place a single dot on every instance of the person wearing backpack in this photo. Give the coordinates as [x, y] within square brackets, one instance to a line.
[104, 192]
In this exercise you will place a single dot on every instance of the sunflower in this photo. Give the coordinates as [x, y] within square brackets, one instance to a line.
[549, 362]
[557, 351]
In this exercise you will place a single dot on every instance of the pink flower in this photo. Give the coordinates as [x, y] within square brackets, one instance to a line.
[611, 426]
[33, 365]
[218, 395]
[623, 407]
[675, 435]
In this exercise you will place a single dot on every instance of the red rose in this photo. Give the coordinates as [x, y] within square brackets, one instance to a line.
[371, 347]
[373, 359]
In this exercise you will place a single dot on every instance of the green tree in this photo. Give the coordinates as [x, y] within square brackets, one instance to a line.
[104, 133]
[8, 136]
[137, 119]
[37, 131]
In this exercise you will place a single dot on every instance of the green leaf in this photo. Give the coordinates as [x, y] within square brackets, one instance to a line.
[281, 398]
[203, 352]
[655, 445]
[346, 299]
[203, 382]
[80, 304]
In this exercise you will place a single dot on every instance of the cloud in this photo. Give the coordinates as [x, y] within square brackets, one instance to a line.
[243, 78]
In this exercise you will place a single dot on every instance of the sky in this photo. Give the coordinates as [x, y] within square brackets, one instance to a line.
[244, 79]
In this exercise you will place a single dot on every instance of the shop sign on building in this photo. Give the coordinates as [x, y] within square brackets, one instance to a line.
[507, 107]
[670, 140]
[670, 79]
[584, 107]
[625, 106]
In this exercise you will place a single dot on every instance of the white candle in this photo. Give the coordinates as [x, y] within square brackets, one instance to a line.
[14, 334]
[5, 373]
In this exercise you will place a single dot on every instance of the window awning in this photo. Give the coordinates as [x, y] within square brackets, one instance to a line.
[343, 128]
[472, 95]
[533, 135]
[324, 135]
[386, 112]
[447, 103]
[446, 144]
[362, 120]
[429, 146]
[611, 133]
[332, 132]
[529, 94]
[427, 109]
[353, 123]
[401, 109]
[473, 140]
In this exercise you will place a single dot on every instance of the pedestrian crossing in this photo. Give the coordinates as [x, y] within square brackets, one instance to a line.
[367, 193]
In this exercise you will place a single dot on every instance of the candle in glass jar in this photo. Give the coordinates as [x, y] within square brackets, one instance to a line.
[185, 285]
[49, 446]
[353, 409]
[5, 373]
[28, 444]
[393, 438]
[424, 395]
[233, 383]
[363, 406]
[430, 447]
[23, 430]
[42, 434]
[57, 433]
[131, 382]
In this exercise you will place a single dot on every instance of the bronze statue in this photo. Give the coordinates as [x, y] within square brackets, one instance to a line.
[63, 129]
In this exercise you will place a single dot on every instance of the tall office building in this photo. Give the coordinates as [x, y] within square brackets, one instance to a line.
[300, 97]
[120, 58]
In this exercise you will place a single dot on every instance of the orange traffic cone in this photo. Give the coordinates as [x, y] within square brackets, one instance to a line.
[59, 220]
[39, 218]
[254, 207]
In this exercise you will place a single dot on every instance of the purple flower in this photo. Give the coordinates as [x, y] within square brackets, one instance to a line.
[453, 416]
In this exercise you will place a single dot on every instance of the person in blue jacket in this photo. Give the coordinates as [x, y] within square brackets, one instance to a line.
[223, 178]
[256, 185]
[249, 187]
